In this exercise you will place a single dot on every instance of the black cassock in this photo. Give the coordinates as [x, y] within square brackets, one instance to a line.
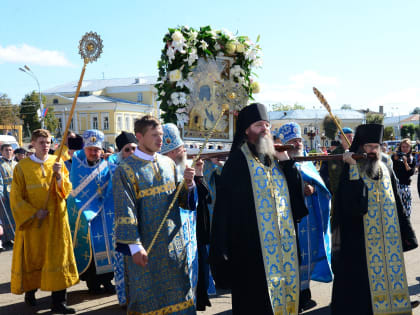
[351, 290]
[235, 252]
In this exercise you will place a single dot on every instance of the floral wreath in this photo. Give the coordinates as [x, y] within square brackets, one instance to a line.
[183, 47]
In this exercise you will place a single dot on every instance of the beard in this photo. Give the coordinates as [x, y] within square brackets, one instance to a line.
[265, 146]
[181, 162]
[295, 152]
[370, 166]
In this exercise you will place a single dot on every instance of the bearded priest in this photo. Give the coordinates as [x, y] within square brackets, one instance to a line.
[370, 277]
[254, 248]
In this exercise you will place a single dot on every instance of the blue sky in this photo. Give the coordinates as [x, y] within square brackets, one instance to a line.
[363, 53]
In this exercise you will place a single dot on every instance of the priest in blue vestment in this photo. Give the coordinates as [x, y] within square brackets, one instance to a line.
[91, 214]
[144, 185]
[314, 229]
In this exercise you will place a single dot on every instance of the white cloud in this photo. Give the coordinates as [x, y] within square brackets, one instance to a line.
[298, 89]
[32, 55]
[400, 100]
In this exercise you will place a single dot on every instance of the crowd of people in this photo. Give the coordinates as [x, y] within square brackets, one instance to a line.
[143, 224]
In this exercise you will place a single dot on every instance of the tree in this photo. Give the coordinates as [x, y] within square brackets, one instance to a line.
[374, 118]
[388, 133]
[9, 113]
[418, 131]
[330, 127]
[408, 131]
[28, 111]
[50, 121]
[282, 108]
[416, 111]
[346, 106]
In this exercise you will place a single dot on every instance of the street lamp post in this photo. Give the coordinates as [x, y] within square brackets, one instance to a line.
[29, 72]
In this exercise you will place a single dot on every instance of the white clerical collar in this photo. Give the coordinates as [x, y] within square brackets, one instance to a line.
[144, 156]
[35, 159]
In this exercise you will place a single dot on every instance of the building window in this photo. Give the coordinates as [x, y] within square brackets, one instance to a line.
[127, 123]
[71, 125]
[106, 123]
[86, 93]
[305, 131]
[139, 97]
[119, 123]
[55, 101]
[95, 122]
[60, 123]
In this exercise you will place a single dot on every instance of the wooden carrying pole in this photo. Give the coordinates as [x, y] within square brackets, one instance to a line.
[180, 186]
[63, 140]
[324, 102]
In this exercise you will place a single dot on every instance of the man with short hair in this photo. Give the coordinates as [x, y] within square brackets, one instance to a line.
[7, 165]
[369, 273]
[43, 253]
[91, 214]
[20, 153]
[253, 238]
[143, 186]
[314, 229]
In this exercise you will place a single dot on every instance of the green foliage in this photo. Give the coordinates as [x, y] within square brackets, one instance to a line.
[374, 118]
[346, 106]
[330, 127]
[388, 133]
[282, 108]
[416, 111]
[50, 121]
[408, 131]
[418, 132]
[28, 112]
[9, 113]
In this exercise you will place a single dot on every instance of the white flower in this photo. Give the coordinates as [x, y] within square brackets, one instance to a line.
[182, 118]
[227, 33]
[203, 44]
[217, 46]
[237, 71]
[186, 27]
[170, 52]
[175, 98]
[257, 63]
[213, 34]
[182, 98]
[193, 35]
[178, 37]
[251, 54]
[175, 75]
[162, 93]
[188, 83]
[192, 57]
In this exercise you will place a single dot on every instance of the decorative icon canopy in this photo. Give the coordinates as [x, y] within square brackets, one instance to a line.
[90, 47]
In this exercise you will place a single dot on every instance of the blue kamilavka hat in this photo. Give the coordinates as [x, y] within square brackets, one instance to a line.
[171, 138]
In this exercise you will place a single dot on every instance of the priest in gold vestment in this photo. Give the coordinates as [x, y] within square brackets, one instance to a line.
[43, 253]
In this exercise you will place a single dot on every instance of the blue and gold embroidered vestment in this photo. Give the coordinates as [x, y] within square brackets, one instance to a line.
[143, 191]
[91, 213]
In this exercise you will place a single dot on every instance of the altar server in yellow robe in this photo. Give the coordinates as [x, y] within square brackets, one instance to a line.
[43, 253]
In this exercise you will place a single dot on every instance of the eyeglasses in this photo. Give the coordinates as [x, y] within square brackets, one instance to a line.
[128, 149]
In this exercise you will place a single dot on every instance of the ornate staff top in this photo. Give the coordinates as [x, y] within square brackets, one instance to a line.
[90, 47]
